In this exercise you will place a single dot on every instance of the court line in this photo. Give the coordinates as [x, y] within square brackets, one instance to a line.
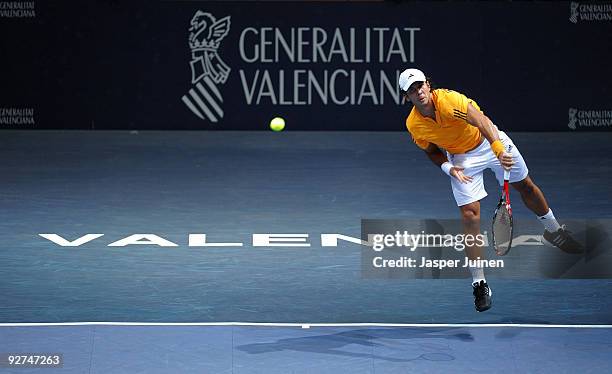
[303, 325]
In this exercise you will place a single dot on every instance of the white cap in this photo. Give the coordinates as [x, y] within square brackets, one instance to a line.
[409, 76]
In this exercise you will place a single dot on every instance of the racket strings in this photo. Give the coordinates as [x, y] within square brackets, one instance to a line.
[502, 229]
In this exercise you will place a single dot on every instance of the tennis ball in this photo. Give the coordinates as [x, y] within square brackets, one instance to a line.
[277, 124]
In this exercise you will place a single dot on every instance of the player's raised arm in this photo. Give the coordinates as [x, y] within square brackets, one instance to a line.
[489, 131]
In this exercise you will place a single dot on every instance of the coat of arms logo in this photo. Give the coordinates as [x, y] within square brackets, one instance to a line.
[207, 68]
[574, 12]
[572, 118]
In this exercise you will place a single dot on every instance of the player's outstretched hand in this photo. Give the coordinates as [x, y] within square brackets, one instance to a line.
[457, 172]
[506, 160]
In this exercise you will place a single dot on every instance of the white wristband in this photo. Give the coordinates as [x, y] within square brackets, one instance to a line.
[446, 167]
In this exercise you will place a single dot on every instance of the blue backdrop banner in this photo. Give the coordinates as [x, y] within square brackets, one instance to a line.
[197, 65]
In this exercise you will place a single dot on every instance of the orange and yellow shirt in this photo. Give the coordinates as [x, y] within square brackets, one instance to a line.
[450, 130]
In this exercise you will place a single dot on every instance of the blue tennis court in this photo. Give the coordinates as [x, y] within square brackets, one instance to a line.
[232, 185]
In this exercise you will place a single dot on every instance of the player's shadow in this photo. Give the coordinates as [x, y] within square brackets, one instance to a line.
[507, 333]
[375, 338]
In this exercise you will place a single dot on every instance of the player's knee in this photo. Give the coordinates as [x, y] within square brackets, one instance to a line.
[526, 187]
[470, 215]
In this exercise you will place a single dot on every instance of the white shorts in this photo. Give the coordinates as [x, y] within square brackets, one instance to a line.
[479, 159]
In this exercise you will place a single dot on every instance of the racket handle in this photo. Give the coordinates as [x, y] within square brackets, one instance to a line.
[506, 175]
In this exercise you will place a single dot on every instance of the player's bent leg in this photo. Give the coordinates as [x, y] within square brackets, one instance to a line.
[470, 217]
[532, 196]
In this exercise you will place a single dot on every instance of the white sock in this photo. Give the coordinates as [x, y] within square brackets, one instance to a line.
[477, 275]
[549, 221]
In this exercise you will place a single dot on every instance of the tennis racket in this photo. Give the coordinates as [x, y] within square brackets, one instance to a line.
[502, 220]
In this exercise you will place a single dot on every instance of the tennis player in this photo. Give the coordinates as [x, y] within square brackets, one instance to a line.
[463, 142]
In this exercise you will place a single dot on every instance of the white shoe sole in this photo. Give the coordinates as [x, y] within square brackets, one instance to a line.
[546, 242]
